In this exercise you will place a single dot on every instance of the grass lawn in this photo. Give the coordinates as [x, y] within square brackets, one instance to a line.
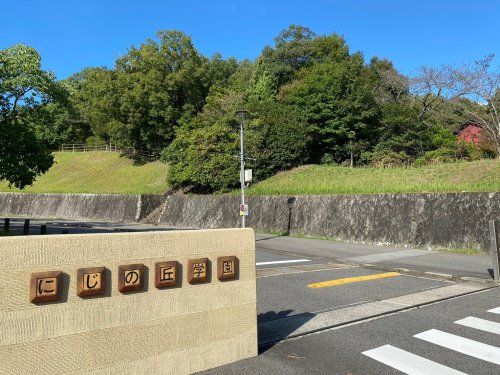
[482, 175]
[109, 173]
[98, 172]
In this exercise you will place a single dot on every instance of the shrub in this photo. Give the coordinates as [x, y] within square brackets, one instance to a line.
[390, 159]
[441, 155]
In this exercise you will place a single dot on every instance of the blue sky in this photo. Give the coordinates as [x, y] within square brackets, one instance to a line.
[73, 34]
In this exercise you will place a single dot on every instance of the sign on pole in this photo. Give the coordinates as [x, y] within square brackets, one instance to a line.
[243, 209]
[248, 175]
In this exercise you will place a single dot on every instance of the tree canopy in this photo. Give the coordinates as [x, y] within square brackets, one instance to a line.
[24, 89]
[310, 100]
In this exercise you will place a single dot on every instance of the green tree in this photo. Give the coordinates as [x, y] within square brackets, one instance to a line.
[203, 156]
[95, 97]
[292, 51]
[403, 133]
[152, 88]
[390, 85]
[24, 90]
[277, 138]
[58, 123]
[335, 97]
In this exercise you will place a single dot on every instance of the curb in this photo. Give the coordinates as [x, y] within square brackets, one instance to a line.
[405, 271]
[431, 275]
[275, 337]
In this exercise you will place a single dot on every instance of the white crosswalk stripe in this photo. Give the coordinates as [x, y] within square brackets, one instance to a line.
[482, 324]
[407, 362]
[462, 345]
[496, 310]
[413, 364]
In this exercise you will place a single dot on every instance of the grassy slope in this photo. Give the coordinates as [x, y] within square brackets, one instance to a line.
[107, 172]
[98, 172]
[483, 175]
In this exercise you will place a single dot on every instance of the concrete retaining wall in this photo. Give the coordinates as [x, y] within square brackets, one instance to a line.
[449, 220]
[422, 220]
[221, 211]
[94, 207]
[179, 330]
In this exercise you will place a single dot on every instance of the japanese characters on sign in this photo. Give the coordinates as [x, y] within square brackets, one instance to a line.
[167, 274]
[47, 286]
[198, 270]
[91, 281]
[131, 278]
[227, 268]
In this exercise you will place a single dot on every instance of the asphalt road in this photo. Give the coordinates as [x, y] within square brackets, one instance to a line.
[290, 294]
[381, 345]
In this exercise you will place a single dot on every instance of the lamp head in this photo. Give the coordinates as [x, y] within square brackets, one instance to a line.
[242, 114]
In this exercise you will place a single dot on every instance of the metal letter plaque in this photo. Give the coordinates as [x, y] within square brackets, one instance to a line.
[91, 281]
[131, 278]
[227, 268]
[167, 274]
[45, 286]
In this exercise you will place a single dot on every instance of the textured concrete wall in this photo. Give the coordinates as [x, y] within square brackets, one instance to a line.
[95, 207]
[222, 211]
[451, 220]
[422, 220]
[169, 331]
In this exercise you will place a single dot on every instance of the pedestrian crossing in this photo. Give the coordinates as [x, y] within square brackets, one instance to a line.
[409, 363]
[481, 324]
[412, 364]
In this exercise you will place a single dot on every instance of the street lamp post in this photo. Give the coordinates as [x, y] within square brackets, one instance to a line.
[242, 115]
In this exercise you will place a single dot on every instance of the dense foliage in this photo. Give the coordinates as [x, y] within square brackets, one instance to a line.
[310, 100]
[24, 90]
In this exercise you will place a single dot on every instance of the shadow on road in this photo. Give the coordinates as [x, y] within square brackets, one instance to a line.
[275, 326]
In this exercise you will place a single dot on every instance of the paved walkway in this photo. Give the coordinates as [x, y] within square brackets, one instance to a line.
[448, 265]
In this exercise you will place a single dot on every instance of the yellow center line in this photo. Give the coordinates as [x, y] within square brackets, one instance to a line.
[357, 279]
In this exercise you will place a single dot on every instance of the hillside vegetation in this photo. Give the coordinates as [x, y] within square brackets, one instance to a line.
[111, 173]
[307, 99]
[483, 175]
[98, 172]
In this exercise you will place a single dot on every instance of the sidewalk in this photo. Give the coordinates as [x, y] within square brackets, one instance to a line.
[430, 263]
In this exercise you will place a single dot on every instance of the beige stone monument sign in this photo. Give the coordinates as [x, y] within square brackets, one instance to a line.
[81, 316]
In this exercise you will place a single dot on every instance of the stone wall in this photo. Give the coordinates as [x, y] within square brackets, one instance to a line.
[93, 207]
[268, 213]
[179, 330]
[421, 220]
[449, 220]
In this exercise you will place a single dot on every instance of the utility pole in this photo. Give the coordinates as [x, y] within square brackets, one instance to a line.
[242, 115]
[495, 248]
